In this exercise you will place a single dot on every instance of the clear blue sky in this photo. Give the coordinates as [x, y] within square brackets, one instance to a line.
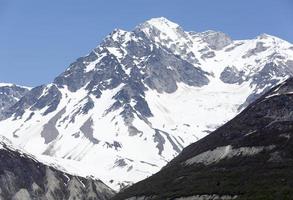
[40, 38]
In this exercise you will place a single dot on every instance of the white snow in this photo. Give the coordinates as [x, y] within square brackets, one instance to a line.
[182, 117]
[12, 84]
[116, 52]
[6, 84]
[167, 27]
[92, 65]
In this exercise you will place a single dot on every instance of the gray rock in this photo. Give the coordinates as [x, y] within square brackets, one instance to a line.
[259, 48]
[76, 72]
[159, 139]
[88, 106]
[88, 131]
[164, 71]
[216, 40]
[270, 75]
[24, 103]
[209, 54]
[51, 100]
[9, 95]
[50, 132]
[231, 75]
[235, 45]
[22, 177]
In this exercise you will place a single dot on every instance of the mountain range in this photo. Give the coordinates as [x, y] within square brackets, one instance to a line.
[134, 102]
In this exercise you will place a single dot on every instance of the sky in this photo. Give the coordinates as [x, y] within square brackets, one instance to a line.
[39, 38]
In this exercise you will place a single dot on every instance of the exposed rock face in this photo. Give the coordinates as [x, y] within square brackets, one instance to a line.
[250, 157]
[24, 178]
[267, 77]
[156, 88]
[258, 49]
[231, 75]
[216, 40]
[9, 95]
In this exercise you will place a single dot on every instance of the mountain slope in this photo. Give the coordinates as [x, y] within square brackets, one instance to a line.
[22, 177]
[132, 104]
[9, 95]
[250, 157]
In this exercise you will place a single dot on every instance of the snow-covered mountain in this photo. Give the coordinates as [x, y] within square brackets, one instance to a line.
[135, 101]
[9, 95]
[23, 177]
[250, 157]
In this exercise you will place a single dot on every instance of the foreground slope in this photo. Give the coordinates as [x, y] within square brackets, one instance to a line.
[135, 101]
[22, 177]
[250, 157]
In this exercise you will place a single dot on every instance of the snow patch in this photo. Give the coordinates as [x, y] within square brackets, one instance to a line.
[116, 52]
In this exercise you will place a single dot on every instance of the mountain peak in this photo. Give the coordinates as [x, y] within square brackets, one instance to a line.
[162, 22]
[117, 34]
[265, 36]
[160, 26]
[121, 96]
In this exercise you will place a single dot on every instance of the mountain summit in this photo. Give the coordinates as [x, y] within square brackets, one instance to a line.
[136, 100]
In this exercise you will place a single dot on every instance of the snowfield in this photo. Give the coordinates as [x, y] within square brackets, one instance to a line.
[119, 133]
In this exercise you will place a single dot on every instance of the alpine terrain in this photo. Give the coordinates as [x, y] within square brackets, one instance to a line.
[9, 95]
[249, 158]
[134, 102]
[22, 177]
